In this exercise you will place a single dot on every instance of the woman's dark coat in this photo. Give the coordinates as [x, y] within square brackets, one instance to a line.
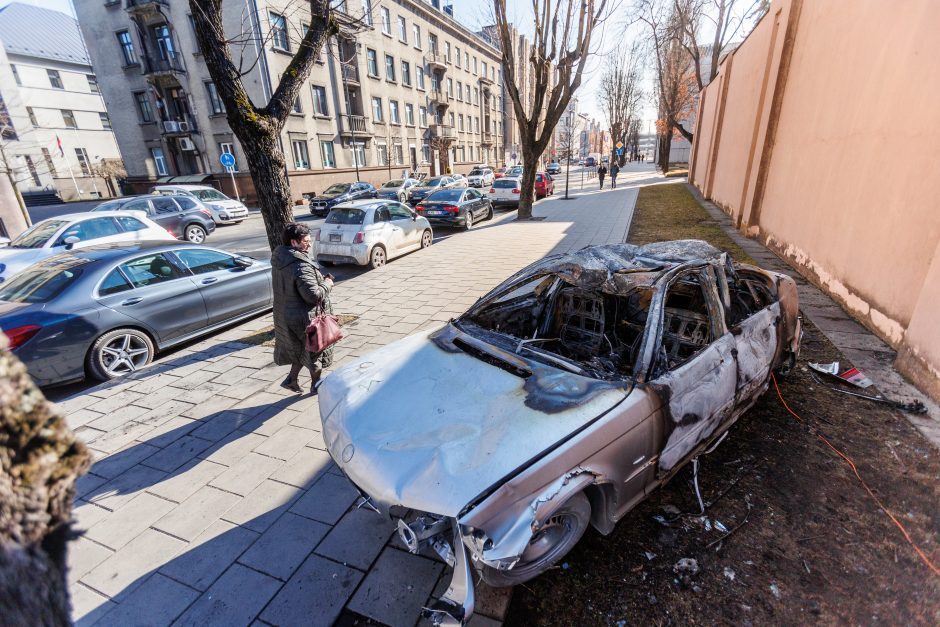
[300, 292]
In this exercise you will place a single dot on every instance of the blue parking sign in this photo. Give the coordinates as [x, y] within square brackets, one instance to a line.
[619, 152]
[227, 159]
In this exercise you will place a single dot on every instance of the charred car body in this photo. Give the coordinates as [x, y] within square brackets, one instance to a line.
[559, 400]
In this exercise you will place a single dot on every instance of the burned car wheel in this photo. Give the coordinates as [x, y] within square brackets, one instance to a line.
[554, 539]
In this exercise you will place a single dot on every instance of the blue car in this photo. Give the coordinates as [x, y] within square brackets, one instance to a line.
[340, 192]
[105, 311]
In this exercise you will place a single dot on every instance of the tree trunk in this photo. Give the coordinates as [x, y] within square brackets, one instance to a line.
[262, 149]
[530, 164]
[666, 148]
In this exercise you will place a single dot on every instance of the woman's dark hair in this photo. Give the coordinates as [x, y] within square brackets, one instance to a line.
[294, 231]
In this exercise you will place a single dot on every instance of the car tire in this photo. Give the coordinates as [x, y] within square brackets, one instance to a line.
[468, 221]
[556, 536]
[489, 212]
[377, 258]
[118, 353]
[194, 234]
[427, 238]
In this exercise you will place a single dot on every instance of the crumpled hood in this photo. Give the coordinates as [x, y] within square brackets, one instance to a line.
[18, 259]
[423, 424]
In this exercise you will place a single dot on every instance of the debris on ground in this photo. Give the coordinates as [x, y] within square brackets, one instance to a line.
[686, 566]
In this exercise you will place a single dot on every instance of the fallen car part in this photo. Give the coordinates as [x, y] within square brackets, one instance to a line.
[698, 493]
[852, 375]
[911, 407]
[456, 606]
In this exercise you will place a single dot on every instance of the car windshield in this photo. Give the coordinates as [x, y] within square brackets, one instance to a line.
[40, 284]
[476, 172]
[346, 216]
[516, 171]
[209, 194]
[394, 183]
[447, 195]
[38, 235]
[433, 182]
[339, 188]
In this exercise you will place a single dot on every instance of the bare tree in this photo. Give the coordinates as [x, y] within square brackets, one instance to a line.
[258, 128]
[561, 48]
[621, 95]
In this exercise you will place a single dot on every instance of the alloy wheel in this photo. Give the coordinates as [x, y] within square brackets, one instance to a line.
[195, 234]
[124, 354]
[426, 239]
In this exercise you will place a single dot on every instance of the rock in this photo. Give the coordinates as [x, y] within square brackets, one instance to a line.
[686, 566]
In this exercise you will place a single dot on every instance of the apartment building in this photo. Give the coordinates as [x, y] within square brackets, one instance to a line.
[57, 136]
[413, 90]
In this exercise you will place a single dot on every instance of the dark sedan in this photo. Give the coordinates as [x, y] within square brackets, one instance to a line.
[340, 192]
[106, 310]
[456, 207]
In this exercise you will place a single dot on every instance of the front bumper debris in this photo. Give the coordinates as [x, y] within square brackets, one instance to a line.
[456, 606]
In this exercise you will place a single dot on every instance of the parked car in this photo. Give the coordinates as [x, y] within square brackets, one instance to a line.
[561, 400]
[396, 189]
[480, 176]
[544, 185]
[340, 192]
[456, 207]
[459, 180]
[370, 233]
[106, 310]
[224, 210]
[75, 231]
[499, 173]
[183, 216]
[553, 168]
[515, 172]
[505, 192]
[428, 186]
[590, 162]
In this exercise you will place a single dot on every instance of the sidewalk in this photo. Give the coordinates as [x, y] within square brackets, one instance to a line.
[213, 500]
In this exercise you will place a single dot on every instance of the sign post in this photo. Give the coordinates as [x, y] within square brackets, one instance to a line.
[227, 160]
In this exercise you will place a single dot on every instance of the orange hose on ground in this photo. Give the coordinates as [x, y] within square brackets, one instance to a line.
[923, 556]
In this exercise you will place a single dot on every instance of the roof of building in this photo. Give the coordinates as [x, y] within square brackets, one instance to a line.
[43, 33]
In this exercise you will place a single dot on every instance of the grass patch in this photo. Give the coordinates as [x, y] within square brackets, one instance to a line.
[666, 212]
[265, 336]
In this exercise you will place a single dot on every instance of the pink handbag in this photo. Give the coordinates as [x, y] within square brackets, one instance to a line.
[322, 332]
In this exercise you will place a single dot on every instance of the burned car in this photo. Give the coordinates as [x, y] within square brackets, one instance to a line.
[559, 400]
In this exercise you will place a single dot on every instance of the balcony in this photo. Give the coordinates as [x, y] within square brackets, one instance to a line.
[356, 125]
[170, 66]
[438, 98]
[487, 138]
[443, 131]
[436, 61]
[146, 6]
[486, 81]
[350, 72]
[175, 128]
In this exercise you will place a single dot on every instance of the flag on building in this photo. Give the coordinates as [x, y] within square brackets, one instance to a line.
[59, 144]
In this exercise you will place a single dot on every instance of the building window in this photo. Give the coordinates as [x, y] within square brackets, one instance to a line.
[432, 43]
[105, 120]
[127, 48]
[406, 73]
[92, 83]
[32, 169]
[402, 30]
[279, 32]
[319, 100]
[416, 35]
[69, 118]
[450, 87]
[229, 147]
[466, 61]
[82, 157]
[476, 124]
[215, 103]
[32, 116]
[301, 160]
[393, 115]
[459, 90]
[450, 117]
[144, 110]
[50, 165]
[367, 11]
[474, 65]
[399, 154]
[159, 161]
[296, 108]
[54, 79]
[410, 114]
[386, 21]
[326, 153]
[372, 62]
[447, 51]
[389, 67]
[460, 122]
[423, 116]
[382, 151]
[483, 67]
[359, 154]
[16, 74]
[377, 109]
[419, 76]
[426, 153]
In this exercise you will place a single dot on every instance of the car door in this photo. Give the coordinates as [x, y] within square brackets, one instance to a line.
[386, 233]
[695, 372]
[91, 232]
[229, 290]
[404, 219]
[156, 292]
[471, 200]
[167, 214]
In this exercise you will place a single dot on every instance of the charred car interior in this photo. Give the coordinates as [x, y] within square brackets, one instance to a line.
[558, 401]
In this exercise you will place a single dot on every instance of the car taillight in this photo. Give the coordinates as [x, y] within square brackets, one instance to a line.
[315, 235]
[20, 335]
[360, 237]
[492, 190]
[451, 208]
[206, 212]
[420, 208]
[517, 191]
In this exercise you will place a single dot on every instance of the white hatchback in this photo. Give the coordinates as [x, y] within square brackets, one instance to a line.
[505, 192]
[370, 232]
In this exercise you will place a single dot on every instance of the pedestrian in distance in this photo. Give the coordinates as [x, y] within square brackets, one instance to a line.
[300, 293]
[614, 171]
[601, 173]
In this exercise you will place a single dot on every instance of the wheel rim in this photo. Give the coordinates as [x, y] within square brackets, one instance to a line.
[378, 257]
[124, 354]
[426, 239]
[552, 535]
[195, 235]
[469, 218]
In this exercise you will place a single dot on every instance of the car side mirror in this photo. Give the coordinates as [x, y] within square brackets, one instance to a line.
[70, 242]
[414, 217]
[244, 262]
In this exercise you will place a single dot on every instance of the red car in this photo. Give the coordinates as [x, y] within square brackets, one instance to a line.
[544, 185]
[499, 173]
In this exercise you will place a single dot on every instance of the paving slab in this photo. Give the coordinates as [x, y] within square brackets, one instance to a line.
[284, 546]
[157, 601]
[235, 599]
[357, 539]
[194, 515]
[210, 554]
[124, 570]
[396, 588]
[129, 521]
[314, 595]
[263, 505]
[327, 500]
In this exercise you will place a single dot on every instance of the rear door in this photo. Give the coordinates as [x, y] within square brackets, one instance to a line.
[158, 293]
[474, 201]
[167, 214]
[402, 219]
[229, 290]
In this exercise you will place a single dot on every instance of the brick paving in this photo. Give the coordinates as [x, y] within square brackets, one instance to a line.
[212, 499]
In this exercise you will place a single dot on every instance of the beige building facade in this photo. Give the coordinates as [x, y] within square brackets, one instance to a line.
[413, 91]
[805, 139]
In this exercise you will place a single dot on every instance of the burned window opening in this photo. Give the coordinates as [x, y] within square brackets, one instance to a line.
[687, 328]
[750, 293]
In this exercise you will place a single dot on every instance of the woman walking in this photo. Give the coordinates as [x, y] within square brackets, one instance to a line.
[300, 293]
[601, 173]
[614, 171]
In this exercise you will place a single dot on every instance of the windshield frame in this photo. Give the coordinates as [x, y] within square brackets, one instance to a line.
[36, 228]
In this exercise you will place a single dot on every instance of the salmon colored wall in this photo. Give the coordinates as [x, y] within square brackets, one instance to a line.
[823, 147]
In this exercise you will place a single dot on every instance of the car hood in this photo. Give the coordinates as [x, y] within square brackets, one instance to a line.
[17, 259]
[423, 424]
[225, 204]
[329, 196]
